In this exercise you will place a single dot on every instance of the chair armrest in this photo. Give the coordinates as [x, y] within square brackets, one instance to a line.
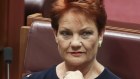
[36, 17]
[23, 43]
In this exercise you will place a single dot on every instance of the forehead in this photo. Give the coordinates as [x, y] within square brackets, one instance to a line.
[71, 18]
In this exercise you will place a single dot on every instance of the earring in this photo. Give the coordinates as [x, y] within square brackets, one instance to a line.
[99, 43]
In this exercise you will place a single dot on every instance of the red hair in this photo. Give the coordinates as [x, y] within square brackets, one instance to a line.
[92, 9]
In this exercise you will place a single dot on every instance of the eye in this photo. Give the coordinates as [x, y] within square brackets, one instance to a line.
[65, 33]
[86, 34]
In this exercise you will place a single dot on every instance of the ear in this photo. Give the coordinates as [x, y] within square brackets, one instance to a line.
[101, 35]
[55, 35]
[59, 5]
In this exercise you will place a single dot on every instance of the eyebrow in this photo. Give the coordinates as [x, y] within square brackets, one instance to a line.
[65, 28]
[82, 29]
[85, 28]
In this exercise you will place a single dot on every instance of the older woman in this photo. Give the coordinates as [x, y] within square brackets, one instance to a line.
[78, 28]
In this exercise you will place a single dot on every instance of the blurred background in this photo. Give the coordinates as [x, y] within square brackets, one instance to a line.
[13, 15]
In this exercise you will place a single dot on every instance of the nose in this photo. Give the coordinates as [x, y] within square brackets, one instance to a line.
[75, 43]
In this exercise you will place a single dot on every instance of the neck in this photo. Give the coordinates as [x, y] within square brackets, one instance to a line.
[84, 68]
[92, 69]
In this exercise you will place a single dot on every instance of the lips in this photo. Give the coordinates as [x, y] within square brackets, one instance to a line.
[76, 54]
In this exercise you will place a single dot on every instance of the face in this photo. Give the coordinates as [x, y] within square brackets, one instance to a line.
[77, 39]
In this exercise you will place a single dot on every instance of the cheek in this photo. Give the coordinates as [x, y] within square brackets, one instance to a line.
[91, 47]
[90, 44]
[62, 44]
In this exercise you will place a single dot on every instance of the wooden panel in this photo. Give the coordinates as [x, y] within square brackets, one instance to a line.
[3, 34]
[12, 19]
[15, 21]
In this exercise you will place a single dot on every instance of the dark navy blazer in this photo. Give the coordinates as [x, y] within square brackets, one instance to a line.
[51, 74]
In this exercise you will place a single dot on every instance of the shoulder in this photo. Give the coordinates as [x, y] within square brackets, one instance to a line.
[107, 74]
[46, 74]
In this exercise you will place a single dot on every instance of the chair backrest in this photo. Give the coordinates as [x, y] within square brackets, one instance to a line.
[120, 50]
[41, 52]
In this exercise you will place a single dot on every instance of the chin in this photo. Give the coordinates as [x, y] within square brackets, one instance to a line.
[75, 62]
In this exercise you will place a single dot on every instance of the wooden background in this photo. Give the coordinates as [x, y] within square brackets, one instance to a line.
[11, 19]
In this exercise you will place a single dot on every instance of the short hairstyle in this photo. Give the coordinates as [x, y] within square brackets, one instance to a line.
[93, 10]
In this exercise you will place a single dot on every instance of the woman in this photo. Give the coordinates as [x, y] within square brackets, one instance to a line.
[78, 28]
